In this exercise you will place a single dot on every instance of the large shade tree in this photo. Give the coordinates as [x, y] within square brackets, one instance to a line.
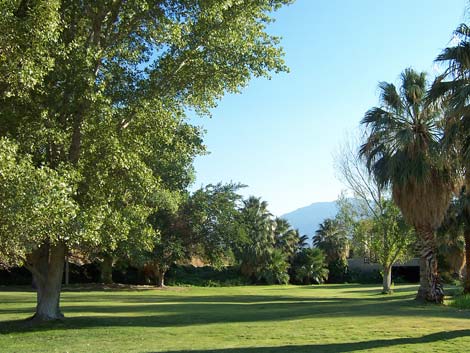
[108, 84]
[204, 226]
[403, 150]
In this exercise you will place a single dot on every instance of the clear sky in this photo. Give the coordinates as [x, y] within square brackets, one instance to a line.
[279, 136]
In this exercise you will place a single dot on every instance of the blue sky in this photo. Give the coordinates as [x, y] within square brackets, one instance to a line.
[279, 136]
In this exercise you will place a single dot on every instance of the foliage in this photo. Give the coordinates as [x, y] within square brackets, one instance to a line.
[205, 226]
[388, 237]
[257, 230]
[333, 240]
[286, 239]
[309, 266]
[267, 245]
[450, 89]
[36, 205]
[404, 150]
[275, 269]
[100, 90]
[367, 277]
[212, 213]
[461, 302]
[29, 32]
[451, 238]
[205, 276]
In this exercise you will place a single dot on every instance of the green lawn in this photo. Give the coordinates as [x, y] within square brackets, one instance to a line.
[330, 318]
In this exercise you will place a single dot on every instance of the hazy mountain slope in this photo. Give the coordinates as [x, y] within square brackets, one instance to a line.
[307, 219]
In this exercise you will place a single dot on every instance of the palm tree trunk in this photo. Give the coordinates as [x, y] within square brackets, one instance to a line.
[430, 284]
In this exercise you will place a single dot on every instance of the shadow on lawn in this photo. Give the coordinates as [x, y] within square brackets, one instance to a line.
[126, 310]
[341, 347]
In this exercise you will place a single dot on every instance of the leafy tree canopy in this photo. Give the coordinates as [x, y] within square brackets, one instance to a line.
[99, 90]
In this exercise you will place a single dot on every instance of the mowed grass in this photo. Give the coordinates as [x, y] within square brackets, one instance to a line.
[329, 318]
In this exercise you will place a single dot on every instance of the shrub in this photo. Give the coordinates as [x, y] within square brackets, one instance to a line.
[309, 266]
[461, 302]
[183, 275]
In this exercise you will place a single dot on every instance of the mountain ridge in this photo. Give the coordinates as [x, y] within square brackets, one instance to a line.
[308, 218]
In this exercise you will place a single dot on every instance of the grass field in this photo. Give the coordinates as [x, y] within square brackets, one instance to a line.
[284, 319]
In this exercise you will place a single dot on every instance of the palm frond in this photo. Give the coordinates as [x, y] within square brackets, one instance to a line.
[389, 96]
[404, 144]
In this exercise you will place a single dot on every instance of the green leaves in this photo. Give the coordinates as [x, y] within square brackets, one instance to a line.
[404, 149]
[28, 35]
[100, 90]
[386, 236]
[267, 244]
[310, 266]
[36, 205]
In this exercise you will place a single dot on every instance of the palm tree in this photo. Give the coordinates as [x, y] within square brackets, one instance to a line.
[258, 226]
[331, 238]
[285, 237]
[403, 150]
[454, 237]
[303, 241]
[452, 88]
[310, 266]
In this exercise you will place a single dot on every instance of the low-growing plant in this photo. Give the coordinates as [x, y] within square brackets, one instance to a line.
[461, 302]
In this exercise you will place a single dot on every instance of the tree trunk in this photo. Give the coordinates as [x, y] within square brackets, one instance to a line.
[466, 288]
[430, 284]
[160, 274]
[106, 268]
[47, 266]
[387, 280]
[67, 271]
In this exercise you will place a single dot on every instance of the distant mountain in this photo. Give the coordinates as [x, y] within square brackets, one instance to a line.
[307, 219]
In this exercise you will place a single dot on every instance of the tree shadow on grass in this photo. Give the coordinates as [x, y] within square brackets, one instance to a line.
[377, 289]
[342, 347]
[189, 311]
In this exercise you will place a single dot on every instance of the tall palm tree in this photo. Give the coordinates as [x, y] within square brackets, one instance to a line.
[285, 237]
[258, 224]
[332, 239]
[403, 150]
[452, 88]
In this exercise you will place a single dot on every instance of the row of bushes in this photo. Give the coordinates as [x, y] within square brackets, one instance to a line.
[194, 276]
